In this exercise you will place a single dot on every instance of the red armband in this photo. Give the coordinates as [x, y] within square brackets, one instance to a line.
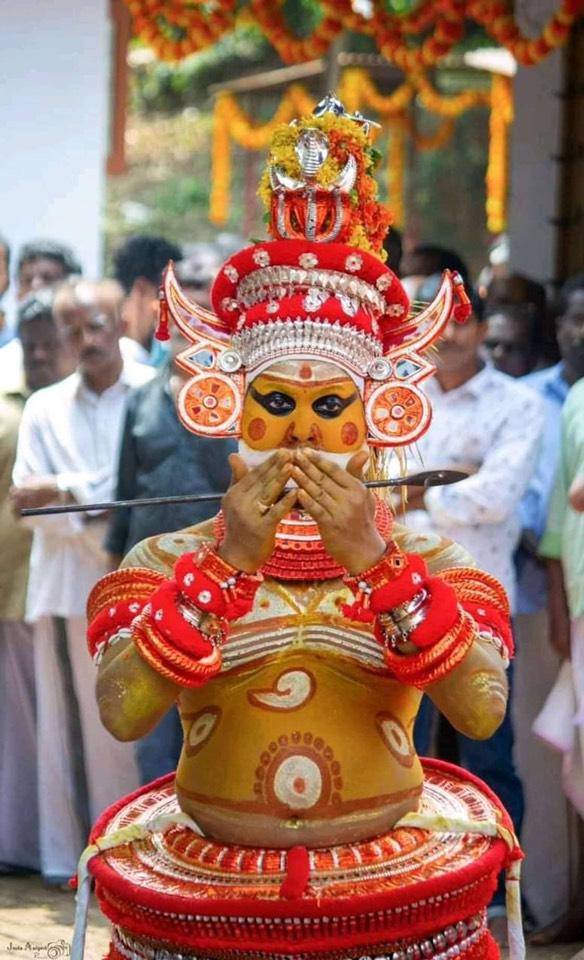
[485, 599]
[214, 586]
[113, 604]
[493, 625]
[108, 623]
[168, 635]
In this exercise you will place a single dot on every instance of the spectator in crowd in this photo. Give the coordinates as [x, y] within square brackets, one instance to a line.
[67, 449]
[498, 265]
[489, 426]
[513, 339]
[158, 457]
[516, 289]
[393, 246]
[561, 723]
[4, 266]
[4, 283]
[138, 266]
[547, 868]
[41, 263]
[43, 365]
[426, 260]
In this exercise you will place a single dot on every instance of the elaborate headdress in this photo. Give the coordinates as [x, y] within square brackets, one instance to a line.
[318, 290]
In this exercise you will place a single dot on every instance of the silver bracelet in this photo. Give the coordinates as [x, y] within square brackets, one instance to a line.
[191, 614]
[400, 622]
[124, 633]
[495, 641]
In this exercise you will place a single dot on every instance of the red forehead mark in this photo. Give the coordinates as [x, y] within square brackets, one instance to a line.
[256, 428]
[349, 434]
[305, 372]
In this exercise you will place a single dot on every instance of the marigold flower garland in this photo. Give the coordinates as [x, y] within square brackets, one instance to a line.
[396, 169]
[498, 166]
[498, 20]
[176, 28]
[268, 16]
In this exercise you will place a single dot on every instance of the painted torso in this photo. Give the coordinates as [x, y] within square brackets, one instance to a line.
[303, 737]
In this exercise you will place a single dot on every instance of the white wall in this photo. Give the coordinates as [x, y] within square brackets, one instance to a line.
[535, 137]
[54, 105]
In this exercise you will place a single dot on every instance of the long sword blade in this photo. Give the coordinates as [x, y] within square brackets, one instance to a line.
[427, 478]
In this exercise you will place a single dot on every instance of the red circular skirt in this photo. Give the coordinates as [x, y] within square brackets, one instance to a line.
[410, 894]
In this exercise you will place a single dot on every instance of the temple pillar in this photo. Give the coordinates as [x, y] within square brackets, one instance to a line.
[544, 159]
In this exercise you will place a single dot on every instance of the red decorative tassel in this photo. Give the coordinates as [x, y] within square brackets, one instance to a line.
[162, 331]
[463, 309]
[357, 612]
[297, 874]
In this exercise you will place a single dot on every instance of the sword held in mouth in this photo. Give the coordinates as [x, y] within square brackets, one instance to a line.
[426, 478]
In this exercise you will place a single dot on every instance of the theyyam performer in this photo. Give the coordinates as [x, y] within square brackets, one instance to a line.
[298, 630]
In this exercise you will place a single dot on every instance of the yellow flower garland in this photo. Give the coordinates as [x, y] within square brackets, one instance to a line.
[396, 169]
[498, 166]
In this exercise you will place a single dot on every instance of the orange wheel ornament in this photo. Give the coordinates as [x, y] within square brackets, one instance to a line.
[210, 405]
[396, 414]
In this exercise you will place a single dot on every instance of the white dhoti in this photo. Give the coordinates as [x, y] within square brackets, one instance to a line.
[545, 836]
[81, 768]
[19, 842]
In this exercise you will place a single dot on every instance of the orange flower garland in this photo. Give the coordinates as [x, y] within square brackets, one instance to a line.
[498, 165]
[448, 106]
[357, 88]
[388, 31]
[433, 141]
[292, 49]
[499, 22]
[396, 169]
[176, 28]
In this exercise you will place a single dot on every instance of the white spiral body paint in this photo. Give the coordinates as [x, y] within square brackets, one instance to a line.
[291, 690]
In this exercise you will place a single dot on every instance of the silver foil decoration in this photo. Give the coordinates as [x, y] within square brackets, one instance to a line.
[312, 148]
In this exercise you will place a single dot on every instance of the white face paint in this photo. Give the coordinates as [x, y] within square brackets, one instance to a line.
[255, 458]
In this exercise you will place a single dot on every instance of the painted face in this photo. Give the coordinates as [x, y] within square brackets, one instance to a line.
[304, 403]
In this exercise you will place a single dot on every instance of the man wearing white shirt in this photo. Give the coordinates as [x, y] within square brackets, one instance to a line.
[488, 425]
[67, 452]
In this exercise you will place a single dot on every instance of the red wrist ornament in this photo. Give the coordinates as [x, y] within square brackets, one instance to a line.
[392, 566]
[214, 586]
[169, 637]
[436, 612]
[435, 662]
[181, 668]
[178, 621]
